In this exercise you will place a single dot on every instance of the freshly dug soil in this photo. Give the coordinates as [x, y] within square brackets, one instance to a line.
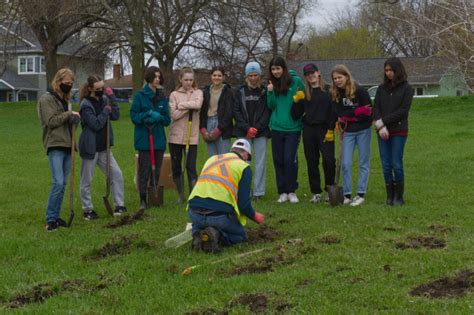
[120, 245]
[415, 242]
[456, 286]
[329, 239]
[126, 220]
[262, 234]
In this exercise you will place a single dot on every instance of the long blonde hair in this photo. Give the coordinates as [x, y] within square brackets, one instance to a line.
[350, 87]
[58, 77]
[309, 89]
[181, 75]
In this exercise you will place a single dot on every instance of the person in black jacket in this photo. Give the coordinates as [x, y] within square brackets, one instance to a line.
[251, 121]
[215, 118]
[354, 110]
[319, 120]
[392, 103]
[95, 109]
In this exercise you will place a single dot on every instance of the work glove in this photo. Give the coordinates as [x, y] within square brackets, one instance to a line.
[149, 121]
[383, 133]
[363, 111]
[299, 95]
[74, 119]
[215, 133]
[329, 137]
[251, 132]
[109, 92]
[108, 109]
[379, 124]
[155, 115]
[259, 218]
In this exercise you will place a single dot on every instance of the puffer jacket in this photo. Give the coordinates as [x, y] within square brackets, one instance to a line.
[181, 103]
[144, 103]
[54, 122]
[225, 108]
[261, 114]
[392, 107]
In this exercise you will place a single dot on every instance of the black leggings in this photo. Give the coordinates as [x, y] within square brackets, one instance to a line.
[177, 152]
[144, 169]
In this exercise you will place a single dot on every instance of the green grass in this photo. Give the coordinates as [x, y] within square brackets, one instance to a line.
[312, 277]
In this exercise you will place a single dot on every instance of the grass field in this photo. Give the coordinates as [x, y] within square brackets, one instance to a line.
[314, 259]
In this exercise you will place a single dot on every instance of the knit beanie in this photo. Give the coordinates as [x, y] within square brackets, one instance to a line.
[253, 67]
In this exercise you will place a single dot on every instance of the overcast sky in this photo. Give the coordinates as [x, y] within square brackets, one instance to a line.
[326, 8]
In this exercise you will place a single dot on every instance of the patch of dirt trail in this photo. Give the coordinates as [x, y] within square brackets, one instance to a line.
[456, 286]
[416, 242]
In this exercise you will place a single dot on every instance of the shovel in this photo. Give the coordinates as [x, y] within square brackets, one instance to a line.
[71, 177]
[107, 204]
[336, 196]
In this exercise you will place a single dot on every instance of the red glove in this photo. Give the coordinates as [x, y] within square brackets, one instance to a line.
[363, 110]
[109, 92]
[204, 134]
[259, 218]
[215, 133]
[251, 132]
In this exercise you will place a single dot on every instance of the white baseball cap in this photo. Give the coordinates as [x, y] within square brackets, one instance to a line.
[244, 145]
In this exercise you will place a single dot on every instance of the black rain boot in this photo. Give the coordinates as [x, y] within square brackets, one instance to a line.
[398, 197]
[179, 187]
[143, 203]
[390, 193]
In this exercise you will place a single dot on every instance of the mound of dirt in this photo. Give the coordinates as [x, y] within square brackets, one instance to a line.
[262, 234]
[455, 286]
[264, 265]
[120, 245]
[329, 239]
[38, 294]
[127, 220]
[257, 303]
[415, 242]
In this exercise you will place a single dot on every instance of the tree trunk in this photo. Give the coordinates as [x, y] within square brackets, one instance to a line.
[138, 58]
[50, 59]
[167, 68]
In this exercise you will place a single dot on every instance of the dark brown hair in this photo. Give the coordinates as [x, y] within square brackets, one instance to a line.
[149, 75]
[400, 74]
[281, 85]
[89, 84]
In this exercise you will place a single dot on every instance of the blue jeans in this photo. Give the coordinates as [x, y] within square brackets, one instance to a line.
[285, 159]
[219, 146]
[361, 139]
[391, 156]
[227, 224]
[60, 165]
[259, 154]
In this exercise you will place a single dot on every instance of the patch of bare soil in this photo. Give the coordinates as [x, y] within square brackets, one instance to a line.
[387, 268]
[455, 286]
[283, 221]
[262, 234]
[429, 242]
[257, 303]
[440, 228]
[41, 292]
[329, 239]
[126, 220]
[120, 245]
[207, 311]
[266, 264]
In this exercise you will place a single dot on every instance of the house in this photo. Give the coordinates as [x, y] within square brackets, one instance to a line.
[424, 75]
[25, 76]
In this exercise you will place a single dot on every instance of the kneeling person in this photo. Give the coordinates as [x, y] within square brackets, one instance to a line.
[220, 202]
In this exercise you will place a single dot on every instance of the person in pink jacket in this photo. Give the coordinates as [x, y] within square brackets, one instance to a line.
[185, 103]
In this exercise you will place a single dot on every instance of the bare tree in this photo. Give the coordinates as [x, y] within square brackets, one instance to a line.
[8, 37]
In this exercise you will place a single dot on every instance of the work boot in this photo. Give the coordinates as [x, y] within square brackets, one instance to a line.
[398, 193]
[197, 242]
[179, 187]
[143, 203]
[389, 188]
[210, 240]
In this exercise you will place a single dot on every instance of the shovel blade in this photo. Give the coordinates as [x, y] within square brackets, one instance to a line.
[108, 206]
[336, 197]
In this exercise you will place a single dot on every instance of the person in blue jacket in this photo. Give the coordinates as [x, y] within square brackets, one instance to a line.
[149, 114]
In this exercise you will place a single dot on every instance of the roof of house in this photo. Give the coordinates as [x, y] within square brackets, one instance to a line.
[369, 72]
[10, 80]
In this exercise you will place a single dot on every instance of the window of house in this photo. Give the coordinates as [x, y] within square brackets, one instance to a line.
[31, 64]
[459, 93]
[419, 91]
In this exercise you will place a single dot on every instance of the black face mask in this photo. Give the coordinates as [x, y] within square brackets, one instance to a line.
[65, 88]
[99, 94]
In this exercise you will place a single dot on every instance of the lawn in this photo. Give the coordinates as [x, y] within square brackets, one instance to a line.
[306, 259]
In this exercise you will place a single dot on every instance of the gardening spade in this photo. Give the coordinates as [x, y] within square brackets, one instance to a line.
[107, 204]
[71, 178]
[336, 196]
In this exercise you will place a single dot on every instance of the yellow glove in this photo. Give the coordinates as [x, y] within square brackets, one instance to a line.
[299, 95]
[329, 137]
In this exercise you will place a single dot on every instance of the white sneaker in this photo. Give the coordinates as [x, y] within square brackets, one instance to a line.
[347, 201]
[292, 197]
[316, 198]
[283, 198]
[357, 201]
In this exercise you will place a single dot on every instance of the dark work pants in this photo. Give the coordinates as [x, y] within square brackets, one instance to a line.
[144, 169]
[313, 142]
[177, 153]
[285, 159]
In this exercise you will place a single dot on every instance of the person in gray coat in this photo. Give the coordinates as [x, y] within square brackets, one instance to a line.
[95, 109]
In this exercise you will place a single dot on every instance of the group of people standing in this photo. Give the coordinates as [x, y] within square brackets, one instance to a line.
[284, 110]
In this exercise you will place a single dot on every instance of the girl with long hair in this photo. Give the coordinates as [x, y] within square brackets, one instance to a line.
[354, 110]
[185, 103]
[392, 104]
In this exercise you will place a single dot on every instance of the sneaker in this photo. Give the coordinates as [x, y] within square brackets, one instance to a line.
[347, 201]
[90, 215]
[210, 240]
[292, 197]
[51, 226]
[316, 198]
[119, 210]
[283, 198]
[61, 223]
[357, 201]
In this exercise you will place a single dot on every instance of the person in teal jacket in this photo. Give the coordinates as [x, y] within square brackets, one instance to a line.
[285, 131]
[149, 114]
